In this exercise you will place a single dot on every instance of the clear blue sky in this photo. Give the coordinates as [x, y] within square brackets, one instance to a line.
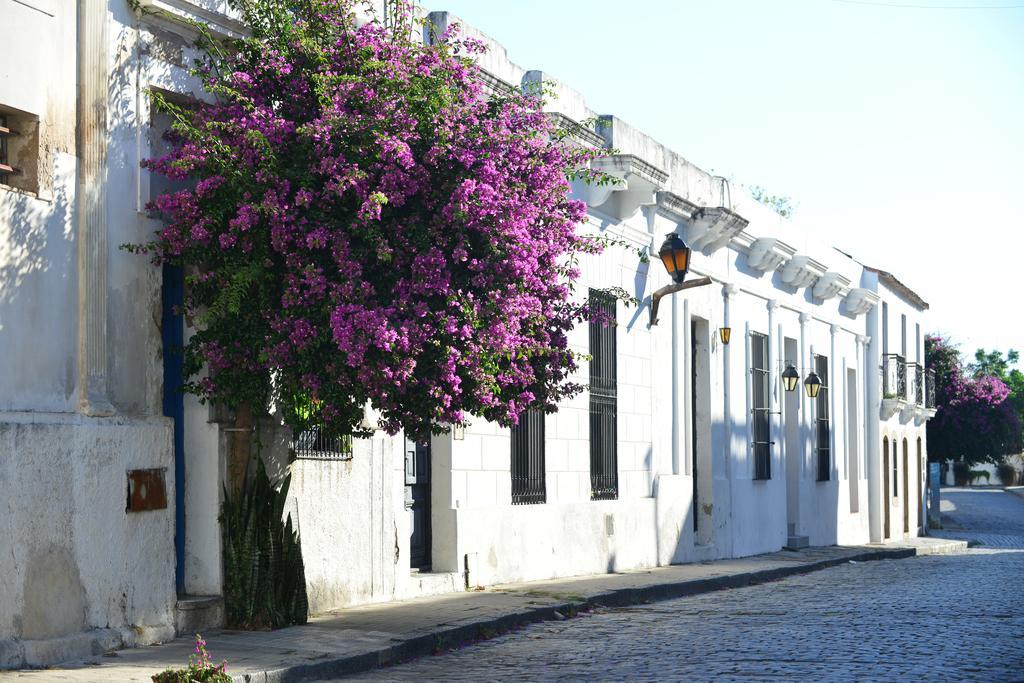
[898, 131]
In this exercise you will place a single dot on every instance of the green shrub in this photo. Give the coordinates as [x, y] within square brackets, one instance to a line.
[264, 577]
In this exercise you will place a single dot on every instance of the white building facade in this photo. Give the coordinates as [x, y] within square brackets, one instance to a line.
[684, 448]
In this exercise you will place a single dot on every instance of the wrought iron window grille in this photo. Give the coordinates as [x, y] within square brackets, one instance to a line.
[761, 409]
[823, 421]
[528, 472]
[6, 170]
[316, 444]
[604, 473]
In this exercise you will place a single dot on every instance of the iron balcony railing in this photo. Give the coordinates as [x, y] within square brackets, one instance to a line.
[915, 380]
[930, 389]
[894, 376]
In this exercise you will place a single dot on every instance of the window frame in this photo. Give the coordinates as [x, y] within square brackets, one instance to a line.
[527, 467]
[760, 407]
[604, 459]
[822, 421]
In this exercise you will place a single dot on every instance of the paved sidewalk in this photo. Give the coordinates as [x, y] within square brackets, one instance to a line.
[361, 638]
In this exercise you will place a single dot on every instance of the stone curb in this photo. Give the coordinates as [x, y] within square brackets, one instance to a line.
[428, 643]
[1015, 490]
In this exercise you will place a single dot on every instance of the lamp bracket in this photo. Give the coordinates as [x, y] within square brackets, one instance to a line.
[657, 296]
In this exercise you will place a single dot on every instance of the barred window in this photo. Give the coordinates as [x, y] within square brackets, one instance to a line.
[822, 421]
[19, 149]
[6, 170]
[760, 406]
[528, 484]
[604, 467]
[316, 444]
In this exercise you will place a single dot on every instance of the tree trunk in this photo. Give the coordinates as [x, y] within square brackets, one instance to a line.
[240, 451]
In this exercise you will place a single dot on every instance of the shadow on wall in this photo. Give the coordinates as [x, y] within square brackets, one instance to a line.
[37, 288]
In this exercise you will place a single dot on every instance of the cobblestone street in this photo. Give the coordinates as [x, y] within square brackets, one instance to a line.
[951, 617]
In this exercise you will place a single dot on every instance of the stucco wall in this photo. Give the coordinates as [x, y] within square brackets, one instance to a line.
[349, 524]
[38, 369]
[71, 557]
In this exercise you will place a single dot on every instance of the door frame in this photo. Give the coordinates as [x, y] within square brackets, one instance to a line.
[418, 475]
[886, 491]
[172, 333]
[906, 487]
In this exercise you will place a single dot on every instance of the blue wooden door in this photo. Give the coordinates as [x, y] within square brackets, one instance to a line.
[173, 336]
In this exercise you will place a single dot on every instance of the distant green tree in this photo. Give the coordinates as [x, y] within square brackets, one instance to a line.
[993, 364]
[777, 203]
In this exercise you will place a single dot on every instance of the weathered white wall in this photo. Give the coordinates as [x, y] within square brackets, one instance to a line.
[72, 558]
[38, 281]
[345, 512]
[204, 474]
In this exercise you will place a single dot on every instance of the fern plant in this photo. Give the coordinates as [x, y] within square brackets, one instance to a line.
[264, 577]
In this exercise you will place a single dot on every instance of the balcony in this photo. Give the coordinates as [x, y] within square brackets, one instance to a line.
[894, 385]
[926, 409]
[915, 382]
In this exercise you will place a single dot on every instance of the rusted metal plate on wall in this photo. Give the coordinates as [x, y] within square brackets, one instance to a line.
[146, 490]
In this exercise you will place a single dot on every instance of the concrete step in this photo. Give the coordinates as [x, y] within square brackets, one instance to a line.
[797, 542]
[435, 583]
[15, 654]
[197, 613]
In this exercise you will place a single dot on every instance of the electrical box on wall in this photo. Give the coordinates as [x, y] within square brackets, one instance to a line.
[147, 490]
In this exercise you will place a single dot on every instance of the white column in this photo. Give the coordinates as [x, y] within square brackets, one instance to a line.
[834, 384]
[805, 415]
[686, 402]
[727, 293]
[774, 398]
[862, 376]
[677, 389]
[93, 81]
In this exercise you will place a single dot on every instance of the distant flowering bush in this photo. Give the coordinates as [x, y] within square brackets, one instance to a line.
[365, 223]
[200, 669]
[974, 420]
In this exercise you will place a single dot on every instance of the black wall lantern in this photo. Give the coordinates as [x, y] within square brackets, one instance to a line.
[790, 378]
[676, 256]
[812, 384]
[725, 333]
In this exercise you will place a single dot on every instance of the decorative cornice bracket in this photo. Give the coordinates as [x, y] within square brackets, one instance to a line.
[767, 254]
[675, 208]
[859, 301]
[830, 284]
[802, 271]
[638, 183]
[713, 227]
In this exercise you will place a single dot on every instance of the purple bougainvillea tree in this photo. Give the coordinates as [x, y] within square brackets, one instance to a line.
[975, 420]
[365, 224]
